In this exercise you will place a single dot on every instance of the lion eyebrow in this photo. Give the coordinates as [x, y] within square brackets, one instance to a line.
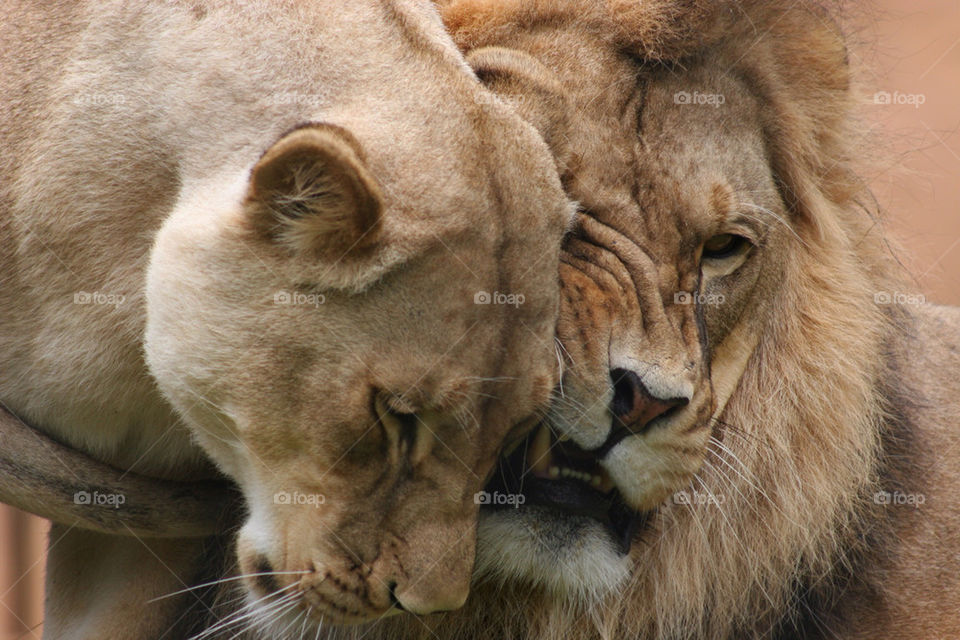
[766, 223]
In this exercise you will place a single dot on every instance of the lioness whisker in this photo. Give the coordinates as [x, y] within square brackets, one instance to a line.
[754, 486]
[231, 579]
[260, 623]
[247, 611]
[278, 614]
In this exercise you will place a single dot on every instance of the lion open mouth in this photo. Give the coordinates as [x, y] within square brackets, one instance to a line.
[553, 472]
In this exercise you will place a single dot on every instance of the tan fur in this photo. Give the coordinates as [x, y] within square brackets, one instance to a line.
[819, 398]
[287, 212]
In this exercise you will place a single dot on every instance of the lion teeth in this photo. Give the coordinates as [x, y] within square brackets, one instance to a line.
[538, 455]
[541, 462]
[594, 480]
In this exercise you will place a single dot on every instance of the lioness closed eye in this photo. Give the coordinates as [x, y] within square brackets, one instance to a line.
[281, 232]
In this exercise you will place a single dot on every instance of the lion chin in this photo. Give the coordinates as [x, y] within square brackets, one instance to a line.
[569, 557]
[555, 520]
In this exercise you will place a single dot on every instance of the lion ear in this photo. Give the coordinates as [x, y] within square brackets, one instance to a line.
[311, 191]
[534, 91]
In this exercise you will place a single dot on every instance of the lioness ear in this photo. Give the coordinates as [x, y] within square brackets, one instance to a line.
[312, 192]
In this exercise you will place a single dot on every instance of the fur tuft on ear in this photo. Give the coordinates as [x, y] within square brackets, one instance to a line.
[312, 192]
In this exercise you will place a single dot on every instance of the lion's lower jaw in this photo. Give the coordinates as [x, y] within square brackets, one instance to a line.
[573, 559]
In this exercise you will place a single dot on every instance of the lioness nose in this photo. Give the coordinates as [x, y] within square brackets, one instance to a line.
[633, 405]
[424, 600]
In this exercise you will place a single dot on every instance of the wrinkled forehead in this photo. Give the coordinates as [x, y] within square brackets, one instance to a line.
[693, 152]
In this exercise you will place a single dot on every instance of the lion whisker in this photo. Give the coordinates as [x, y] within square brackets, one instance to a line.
[729, 483]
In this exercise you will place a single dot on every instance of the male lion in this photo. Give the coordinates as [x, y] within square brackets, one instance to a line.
[755, 436]
[264, 229]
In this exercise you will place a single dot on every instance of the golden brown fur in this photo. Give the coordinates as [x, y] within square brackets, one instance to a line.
[812, 401]
[823, 400]
[815, 398]
[236, 230]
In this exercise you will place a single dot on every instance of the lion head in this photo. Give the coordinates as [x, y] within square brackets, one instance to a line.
[334, 326]
[705, 465]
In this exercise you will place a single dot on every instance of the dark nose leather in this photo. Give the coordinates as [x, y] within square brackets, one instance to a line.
[633, 406]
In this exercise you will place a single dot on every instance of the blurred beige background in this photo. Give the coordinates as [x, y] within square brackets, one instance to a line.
[909, 50]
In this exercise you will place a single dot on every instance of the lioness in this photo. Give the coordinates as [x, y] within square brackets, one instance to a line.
[279, 231]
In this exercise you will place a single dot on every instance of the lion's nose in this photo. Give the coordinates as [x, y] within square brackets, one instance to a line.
[634, 407]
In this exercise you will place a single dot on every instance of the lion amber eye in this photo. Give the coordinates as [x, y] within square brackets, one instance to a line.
[723, 246]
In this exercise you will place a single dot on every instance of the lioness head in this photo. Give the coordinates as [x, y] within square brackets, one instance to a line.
[716, 421]
[352, 334]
